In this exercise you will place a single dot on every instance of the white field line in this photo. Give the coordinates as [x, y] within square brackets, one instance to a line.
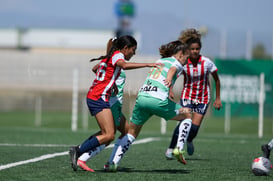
[33, 145]
[48, 156]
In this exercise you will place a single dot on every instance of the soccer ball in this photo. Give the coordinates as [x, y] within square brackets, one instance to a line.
[261, 166]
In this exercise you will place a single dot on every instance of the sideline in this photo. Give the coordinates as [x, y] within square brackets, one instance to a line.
[48, 156]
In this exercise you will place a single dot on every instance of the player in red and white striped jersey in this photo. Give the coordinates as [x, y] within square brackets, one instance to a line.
[99, 93]
[196, 91]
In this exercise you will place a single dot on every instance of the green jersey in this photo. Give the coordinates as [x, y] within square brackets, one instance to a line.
[120, 82]
[154, 84]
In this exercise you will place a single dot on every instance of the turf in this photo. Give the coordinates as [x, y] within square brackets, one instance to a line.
[218, 156]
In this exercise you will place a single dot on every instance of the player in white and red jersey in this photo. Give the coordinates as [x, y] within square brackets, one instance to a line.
[196, 91]
[196, 80]
[99, 93]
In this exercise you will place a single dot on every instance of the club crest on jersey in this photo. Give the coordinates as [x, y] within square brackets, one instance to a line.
[195, 72]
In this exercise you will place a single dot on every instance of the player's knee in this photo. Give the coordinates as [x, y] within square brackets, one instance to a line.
[110, 137]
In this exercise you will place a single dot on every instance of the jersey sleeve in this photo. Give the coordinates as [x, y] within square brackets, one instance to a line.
[179, 68]
[117, 57]
[211, 66]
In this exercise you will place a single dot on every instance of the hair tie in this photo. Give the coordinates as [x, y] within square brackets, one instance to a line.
[113, 39]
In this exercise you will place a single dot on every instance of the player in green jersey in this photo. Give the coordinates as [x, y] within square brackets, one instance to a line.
[154, 99]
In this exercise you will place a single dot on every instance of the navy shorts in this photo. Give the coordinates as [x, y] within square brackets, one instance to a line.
[96, 106]
[194, 106]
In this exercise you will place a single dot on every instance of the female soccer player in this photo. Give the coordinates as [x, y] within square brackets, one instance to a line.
[196, 92]
[99, 93]
[153, 99]
[121, 123]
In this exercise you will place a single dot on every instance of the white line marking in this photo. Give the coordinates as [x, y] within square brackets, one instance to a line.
[34, 145]
[48, 156]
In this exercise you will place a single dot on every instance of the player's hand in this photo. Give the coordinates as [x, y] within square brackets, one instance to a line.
[168, 82]
[217, 104]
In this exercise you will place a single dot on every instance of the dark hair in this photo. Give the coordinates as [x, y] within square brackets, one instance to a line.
[117, 44]
[172, 48]
[190, 36]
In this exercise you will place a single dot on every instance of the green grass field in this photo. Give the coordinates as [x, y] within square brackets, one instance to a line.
[218, 156]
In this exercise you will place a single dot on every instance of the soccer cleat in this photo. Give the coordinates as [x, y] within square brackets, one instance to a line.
[113, 167]
[179, 155]
[169, 154]
[110, 167]
[190, 148]
[106, 166]
[74, 155]
[83, 166]
[266, 150]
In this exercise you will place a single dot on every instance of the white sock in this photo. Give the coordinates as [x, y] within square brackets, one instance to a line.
[88, 155]
[270, 144]
[125, 143]
[184, 130]
[114, 150]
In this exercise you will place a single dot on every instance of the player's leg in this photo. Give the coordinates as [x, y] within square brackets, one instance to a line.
[267, 149]
[187, 106]
[173, 142]
[88, 155]
[125, 144]
[122, 127]
[169, 151]
[199, 111]
[140, 115]
[183, 115]
[106, 124]
[95, 144]
[196, 122]
[184, 129]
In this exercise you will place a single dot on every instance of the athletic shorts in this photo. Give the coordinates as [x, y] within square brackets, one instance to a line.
[117, 112]
[96, 106]
[148, 106]
[194, 106]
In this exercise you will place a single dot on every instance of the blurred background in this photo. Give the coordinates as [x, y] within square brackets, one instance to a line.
[45, 48]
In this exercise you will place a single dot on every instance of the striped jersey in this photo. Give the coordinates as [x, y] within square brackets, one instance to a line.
[120, 82]
[196, 80]
[106, 76]
[154, 85]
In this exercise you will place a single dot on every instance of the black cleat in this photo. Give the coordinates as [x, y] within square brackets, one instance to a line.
[266, 150]
[74, 155]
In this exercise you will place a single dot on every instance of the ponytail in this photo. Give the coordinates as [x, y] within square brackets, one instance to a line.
[108, 49]
[115, 44]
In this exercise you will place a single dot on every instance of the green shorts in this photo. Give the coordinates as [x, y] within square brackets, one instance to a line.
[148, 106]
[117, 112]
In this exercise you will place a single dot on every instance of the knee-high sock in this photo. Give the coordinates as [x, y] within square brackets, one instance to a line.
[88, 155]
[184, 130]
[174, 137]
[114, 150]
[193, 132]
[125, 143]
[89, 144]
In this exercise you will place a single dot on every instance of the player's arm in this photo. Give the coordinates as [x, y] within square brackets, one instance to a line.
[217, 103]
[170, 74]
[171, 94]
[132, 65]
